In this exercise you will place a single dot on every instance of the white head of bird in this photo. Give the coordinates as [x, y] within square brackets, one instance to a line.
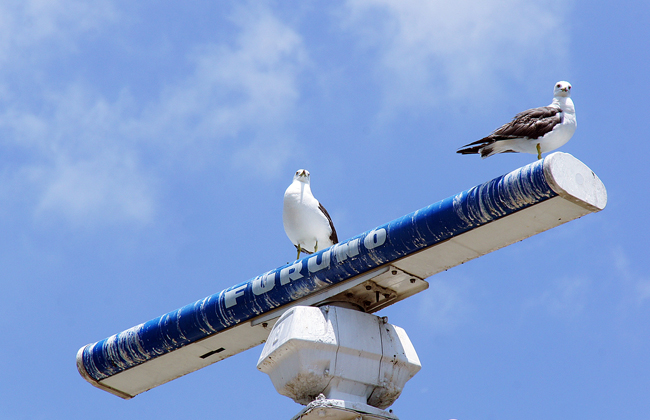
[562, 89]
[562, 98]
[302, 175]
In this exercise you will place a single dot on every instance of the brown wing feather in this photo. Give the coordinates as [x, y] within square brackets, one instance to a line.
[532, 123]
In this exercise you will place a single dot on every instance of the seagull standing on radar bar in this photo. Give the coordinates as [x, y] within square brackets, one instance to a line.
[536, 131]
[306, 222]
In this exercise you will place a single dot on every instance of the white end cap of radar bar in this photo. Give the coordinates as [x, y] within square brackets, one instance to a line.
[574, 181]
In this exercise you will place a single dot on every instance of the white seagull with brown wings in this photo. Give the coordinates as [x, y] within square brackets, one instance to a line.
[306, 222]
[536, 131]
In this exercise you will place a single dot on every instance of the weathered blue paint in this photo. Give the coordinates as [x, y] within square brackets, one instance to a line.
[421, 229]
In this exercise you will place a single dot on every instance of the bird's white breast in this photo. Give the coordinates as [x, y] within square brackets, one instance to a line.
[562, 132]
[303, 221]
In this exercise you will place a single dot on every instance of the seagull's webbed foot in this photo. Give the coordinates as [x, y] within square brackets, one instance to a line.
[539, 151]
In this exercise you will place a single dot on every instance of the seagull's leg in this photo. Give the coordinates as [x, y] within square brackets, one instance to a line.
[299, 251]
[316, 246]
[539, 151]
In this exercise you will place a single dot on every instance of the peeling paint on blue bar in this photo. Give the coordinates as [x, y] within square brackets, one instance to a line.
[411, 233]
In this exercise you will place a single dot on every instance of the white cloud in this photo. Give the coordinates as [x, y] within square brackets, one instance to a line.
[112, 189]
[567, 296]
[85, 152]
[430, 51]
[267, 155]
[445, 305]
[242, 93]
[42, 24]
[573, 296]
[79, 159]
[638, 287]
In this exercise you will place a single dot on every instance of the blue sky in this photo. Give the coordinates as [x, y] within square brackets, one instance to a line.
[145, 147]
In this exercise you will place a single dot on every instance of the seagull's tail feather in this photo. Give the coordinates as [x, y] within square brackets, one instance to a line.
[488, 146]
[484, 147]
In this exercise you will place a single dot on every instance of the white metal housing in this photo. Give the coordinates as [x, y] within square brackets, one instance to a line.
[344, 354]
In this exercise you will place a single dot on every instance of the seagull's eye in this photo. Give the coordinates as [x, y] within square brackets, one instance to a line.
[558, 85]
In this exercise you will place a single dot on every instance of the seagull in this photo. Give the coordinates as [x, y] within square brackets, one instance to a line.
[306, 222]
[536, 131]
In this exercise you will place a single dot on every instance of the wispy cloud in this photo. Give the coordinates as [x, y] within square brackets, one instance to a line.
[109, 187]
[574, 295]
[638, 286]
[431, 51]
[42, 24]
[565, 297]
[241, 96]
[90, 158]
[77, 160]
[445, 305]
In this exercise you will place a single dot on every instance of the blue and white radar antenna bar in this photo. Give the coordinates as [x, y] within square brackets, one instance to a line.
[350, 280]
